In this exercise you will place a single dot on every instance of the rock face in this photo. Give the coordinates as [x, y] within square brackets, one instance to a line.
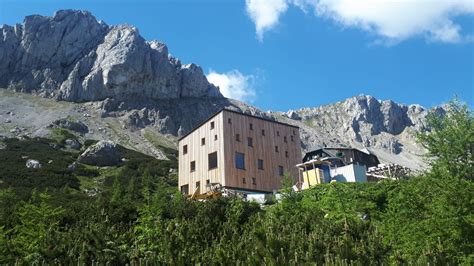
[103, 153]
[72, 56]
[384, 127]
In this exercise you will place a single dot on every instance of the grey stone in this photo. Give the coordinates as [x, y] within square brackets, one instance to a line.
[103, 153]
[72, 144]
[293, 115]
[72, 167]
[74, 125]
[33, 164]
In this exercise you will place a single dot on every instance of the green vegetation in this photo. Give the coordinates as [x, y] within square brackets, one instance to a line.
[139, 217]
[60, 135]
[162, 143]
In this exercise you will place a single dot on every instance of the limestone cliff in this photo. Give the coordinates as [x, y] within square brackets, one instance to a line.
[74, 57]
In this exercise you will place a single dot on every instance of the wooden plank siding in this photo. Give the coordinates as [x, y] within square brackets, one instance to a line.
[226, 146]
[199, 153]
[263, 148]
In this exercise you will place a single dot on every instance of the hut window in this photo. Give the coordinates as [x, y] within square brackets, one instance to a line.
[250, 142]
[185, 149]
[280, 170]
[212, 158]
[240, 160]
[185, 189]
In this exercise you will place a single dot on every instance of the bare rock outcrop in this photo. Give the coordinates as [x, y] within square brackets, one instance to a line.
[385, 127]
[103, 153]
[74, 125]
[74, 57]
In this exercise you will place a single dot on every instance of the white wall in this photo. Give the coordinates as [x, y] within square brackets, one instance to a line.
[349, 173]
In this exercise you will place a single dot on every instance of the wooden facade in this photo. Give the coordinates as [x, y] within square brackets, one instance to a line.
[266, 149]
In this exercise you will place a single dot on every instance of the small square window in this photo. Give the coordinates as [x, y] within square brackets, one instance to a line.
[278, 133]
[286, 154]
[292, 139]
[243, 181]
[203, 141]
[185, 149]
[198, 184]
[284, 139]
[215, 137]
[193, 166]
[237, 137]
[229, 121]
[263, 132]
[254, 181]
[250, 142]
[280, 170]
[260, 164]
[276, 148]
[251, 126]
[212, 125]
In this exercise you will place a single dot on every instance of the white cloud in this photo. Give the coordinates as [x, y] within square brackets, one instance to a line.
[265, 14]
[393, 20]
[234, 84]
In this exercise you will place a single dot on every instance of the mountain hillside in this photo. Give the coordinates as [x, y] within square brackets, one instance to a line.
[131, 91]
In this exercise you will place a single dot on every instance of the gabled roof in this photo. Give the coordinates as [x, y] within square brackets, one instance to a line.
[236, 112]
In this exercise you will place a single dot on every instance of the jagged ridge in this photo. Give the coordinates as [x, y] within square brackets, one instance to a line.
[74, 57]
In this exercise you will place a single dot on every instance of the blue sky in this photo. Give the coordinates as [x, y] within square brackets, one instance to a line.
[289, 54]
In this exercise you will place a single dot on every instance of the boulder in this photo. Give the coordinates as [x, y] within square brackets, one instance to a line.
[72, 144]
[33, 164]
[74, 125]
[103, 153]
[293, 115]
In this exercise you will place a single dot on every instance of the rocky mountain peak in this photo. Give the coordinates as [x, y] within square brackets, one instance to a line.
[74, 57]
[363, 121]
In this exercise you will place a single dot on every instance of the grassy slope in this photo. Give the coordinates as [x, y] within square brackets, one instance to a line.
[55, 159]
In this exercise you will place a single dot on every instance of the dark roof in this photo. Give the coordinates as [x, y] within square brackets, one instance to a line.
[233, 111]
[327, 150]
